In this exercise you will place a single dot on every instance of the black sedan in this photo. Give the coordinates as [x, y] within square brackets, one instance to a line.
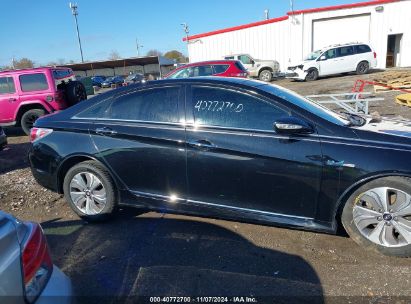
[3, 139]
[112, 80]
[235, 149]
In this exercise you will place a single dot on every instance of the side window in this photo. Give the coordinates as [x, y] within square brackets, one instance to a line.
[220, 68]
[159, 105]
[184, 73]
[330, 54]
[33, 82]
[345, 51]
[244, 59]
[203, 70]
[227, 108]
[7, 85]
[362, 48]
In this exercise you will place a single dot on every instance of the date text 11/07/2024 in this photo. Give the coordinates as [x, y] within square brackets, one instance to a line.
[238, 299]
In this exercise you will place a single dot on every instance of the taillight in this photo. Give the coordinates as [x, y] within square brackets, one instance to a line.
[238, 74]
[37, 133]
[375, 55]
[37, 264]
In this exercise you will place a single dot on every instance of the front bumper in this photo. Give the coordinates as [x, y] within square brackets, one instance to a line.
[58, 289]
[296, 74]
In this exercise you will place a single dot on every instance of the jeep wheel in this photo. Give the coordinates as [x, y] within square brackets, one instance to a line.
[312, 75]
[29, 118]
[265, 75]
[75, 92]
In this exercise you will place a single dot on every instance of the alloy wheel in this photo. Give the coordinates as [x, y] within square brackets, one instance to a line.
[383, 216]
[88, 193]
[265, 76]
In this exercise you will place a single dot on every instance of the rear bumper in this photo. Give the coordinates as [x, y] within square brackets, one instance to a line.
[58, 289]
[44, 174]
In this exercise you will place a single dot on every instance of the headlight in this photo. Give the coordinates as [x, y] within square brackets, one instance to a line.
[301, 66]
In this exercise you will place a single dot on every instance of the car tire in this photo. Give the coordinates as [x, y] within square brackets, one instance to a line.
[312, 75]
[75, 92]
[90, 191]
[385, 228]
[363, 68]
[29, 118]
[265, 75]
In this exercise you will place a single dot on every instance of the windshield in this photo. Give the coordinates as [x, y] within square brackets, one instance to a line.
[306, 104]
[313, 55]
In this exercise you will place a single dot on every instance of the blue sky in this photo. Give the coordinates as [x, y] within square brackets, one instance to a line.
[44, 30]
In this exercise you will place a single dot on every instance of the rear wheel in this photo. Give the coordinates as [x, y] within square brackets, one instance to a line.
[378, 216]
[363, 67]
[90, 191]
[265, 75]
[29, 118]
[75, 92]
[312, 75]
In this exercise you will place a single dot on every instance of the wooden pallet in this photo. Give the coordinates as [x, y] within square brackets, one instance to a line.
[404, 99]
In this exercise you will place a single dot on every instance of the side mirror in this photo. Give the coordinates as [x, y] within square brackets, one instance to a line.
[323, 58]
[292, 125]
[252, 62]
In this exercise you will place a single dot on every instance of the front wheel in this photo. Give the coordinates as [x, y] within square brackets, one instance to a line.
[29, 118]
[90, 191]
[312, 75]
[265, 75]
[378, 216]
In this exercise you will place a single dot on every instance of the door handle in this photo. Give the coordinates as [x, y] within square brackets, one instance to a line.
[105, 131]
[334, 163]
[12, 99]
[201, 144]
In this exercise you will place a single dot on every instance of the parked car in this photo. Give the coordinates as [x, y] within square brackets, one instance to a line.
[27, 273]
[336, 59]
[221, 68]
[231, 148]
[265, 70]
[118, 80]
[25, 95]
[134, 78]
[97, 80]
[3, 139]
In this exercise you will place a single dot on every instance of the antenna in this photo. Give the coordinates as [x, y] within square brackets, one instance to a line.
[186, 30]
[267, 14]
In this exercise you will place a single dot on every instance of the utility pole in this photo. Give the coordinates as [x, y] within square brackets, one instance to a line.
[267, 14]
[186, 30]
[138, 46]
[74, 11]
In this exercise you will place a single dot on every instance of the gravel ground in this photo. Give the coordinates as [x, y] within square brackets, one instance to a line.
[154, 254]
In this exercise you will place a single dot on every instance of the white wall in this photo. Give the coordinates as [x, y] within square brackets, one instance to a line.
[291, 40]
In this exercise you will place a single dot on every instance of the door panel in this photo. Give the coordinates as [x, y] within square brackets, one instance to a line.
[9, 99]
[139, 136]
[250, 168]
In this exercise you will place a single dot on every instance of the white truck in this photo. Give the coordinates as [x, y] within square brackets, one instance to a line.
[264, 70]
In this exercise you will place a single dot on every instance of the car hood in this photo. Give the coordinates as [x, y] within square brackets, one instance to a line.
[265, 61]
[302, 62]
[397, 127]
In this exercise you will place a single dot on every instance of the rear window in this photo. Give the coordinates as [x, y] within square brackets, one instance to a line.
[220, 68]
[7, 85]
[33, 82]
[362, 48]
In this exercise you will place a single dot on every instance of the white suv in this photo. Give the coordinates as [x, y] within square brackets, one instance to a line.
[336, 59]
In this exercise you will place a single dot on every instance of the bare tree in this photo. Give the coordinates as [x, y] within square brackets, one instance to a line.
[114, 55]
[23, 63]
[154, 52]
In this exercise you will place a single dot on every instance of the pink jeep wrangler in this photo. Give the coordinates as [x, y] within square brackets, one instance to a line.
[25, 95]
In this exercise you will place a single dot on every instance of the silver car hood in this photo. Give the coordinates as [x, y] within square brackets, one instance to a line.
[395, 127]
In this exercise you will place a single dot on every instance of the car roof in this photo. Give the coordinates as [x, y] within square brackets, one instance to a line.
[343, 44]
[33, 69]
[222, 61]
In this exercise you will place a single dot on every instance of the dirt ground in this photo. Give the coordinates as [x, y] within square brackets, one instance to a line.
[154, 254]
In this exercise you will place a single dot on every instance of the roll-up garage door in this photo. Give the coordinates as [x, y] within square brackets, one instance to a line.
[341, 30]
